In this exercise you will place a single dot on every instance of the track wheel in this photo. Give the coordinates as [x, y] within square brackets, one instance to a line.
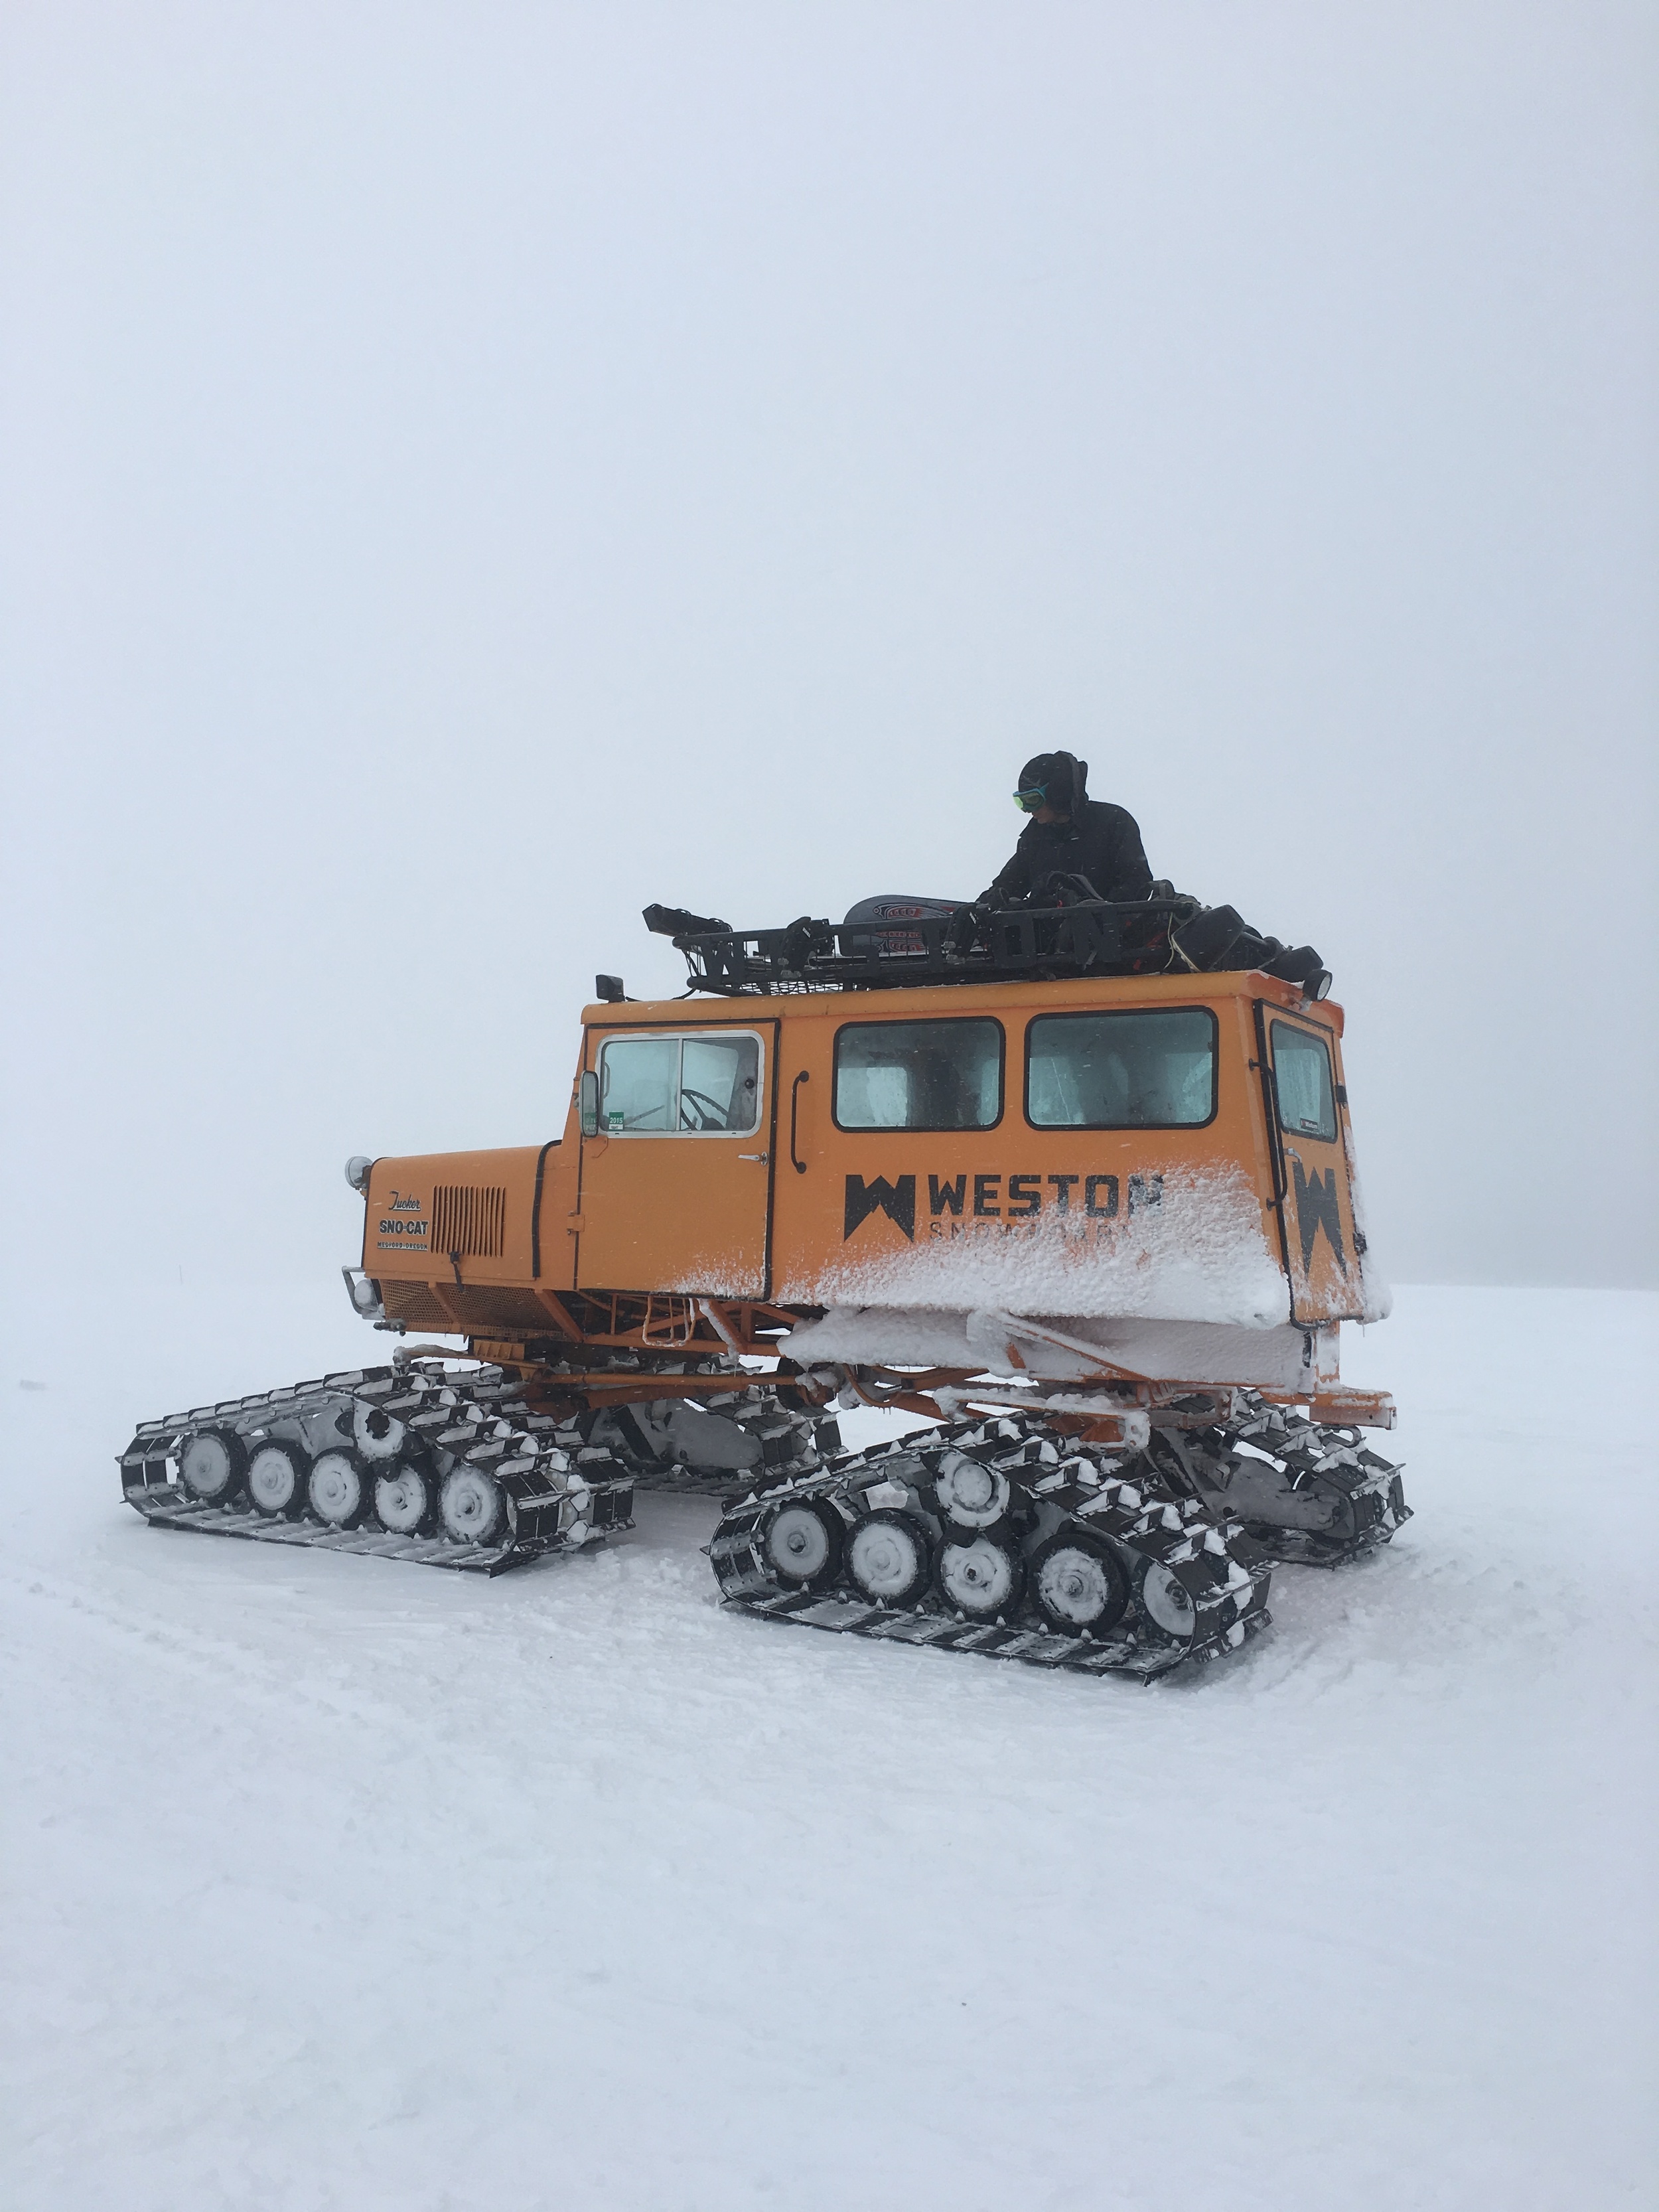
[212, 1465]
[803, 1546]
[472, 1507]
[1167, 1602]
[887, 1559]
[376, 1433]
[981, 1578]
[275, 1481]
[335, 1489]
[1079, 1587]
[971, 1494]
[406, 1498]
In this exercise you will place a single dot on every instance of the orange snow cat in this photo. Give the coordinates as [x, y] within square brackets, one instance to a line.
[1146, 1180]
[1032, 1175]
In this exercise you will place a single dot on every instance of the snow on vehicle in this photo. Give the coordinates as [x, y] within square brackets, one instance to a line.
[1089, 1212]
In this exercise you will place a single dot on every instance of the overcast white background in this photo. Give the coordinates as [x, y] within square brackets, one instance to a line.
[470, 472]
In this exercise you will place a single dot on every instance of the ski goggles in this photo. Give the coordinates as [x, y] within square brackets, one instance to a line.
[1033, 796]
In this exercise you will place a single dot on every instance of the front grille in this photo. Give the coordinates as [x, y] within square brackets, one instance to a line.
[414, 1305]
[472, 1308]
[468, 1219]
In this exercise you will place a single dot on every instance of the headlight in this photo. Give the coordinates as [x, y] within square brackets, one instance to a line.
[357, 1168]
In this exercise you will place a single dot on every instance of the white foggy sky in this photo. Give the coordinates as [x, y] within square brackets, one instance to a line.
[469, 472]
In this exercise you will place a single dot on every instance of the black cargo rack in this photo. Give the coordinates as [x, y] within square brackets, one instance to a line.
[972, 945]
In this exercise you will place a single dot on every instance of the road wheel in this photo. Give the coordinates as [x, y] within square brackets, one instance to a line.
[1167, 1603]
[376, 1434]
[275, 1481]
[887, 1559]
[212, 1465]
[969, 1493]
[982, 1578]
[335, 1489]
[406, 1500]
[471, 1508]
[1079, 1587]
[803, 1546]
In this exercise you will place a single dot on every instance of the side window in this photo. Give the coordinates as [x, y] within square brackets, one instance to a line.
[918, 1075]
[639, 1084]
[701, 1085]
[720, 1083]
[1302, 1082]
[1129, 1070]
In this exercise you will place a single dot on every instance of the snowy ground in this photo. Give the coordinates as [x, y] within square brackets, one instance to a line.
[338, 1883]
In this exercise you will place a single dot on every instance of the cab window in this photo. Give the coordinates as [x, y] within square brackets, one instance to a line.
[918, 1075]
[1127, 1070]
[1302, 1082]
[705, 1083]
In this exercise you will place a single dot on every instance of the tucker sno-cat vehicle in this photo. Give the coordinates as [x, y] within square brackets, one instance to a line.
[1088, 1211]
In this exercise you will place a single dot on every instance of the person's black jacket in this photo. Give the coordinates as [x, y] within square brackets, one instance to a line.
[1102, 842]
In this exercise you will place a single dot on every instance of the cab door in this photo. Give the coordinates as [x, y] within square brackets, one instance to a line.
[676, 1189]
[1315, 1205]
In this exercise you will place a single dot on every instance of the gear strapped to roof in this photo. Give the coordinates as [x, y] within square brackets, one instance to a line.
[896, 943]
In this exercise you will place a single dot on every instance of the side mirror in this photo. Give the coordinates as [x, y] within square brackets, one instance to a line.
[587, 1097]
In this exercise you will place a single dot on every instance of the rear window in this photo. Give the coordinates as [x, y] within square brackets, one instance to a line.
[1302, 1082]
[918, 1075]
[1125, 1071]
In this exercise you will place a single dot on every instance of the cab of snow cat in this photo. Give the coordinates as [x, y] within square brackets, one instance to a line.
[1177, 1147]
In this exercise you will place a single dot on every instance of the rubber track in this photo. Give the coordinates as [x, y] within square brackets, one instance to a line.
[1340, 1457]
[552, 1483]
[1094, 1490]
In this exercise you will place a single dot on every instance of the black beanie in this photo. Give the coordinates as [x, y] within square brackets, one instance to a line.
[1063, 777]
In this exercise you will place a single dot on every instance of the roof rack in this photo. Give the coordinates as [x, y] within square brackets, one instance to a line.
[966, 944]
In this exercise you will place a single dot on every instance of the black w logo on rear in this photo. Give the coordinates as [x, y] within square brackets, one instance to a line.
[1315, 1209]
[897, 1200]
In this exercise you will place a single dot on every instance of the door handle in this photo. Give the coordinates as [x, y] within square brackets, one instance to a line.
[761, 1157]
[799, 1165]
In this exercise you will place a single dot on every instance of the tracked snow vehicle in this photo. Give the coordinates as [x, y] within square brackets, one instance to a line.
[1089, 1213]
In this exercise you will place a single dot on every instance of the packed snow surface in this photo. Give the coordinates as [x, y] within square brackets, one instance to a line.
[341, 1884]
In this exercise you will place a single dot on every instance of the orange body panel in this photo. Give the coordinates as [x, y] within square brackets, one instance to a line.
[1237, 1220]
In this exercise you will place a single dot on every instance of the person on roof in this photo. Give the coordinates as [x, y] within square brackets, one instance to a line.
[1069, 834]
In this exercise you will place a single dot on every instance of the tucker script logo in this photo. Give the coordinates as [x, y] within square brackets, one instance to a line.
[399, 1234]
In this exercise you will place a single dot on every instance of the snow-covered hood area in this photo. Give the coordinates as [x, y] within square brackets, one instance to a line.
[1188, 1248]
